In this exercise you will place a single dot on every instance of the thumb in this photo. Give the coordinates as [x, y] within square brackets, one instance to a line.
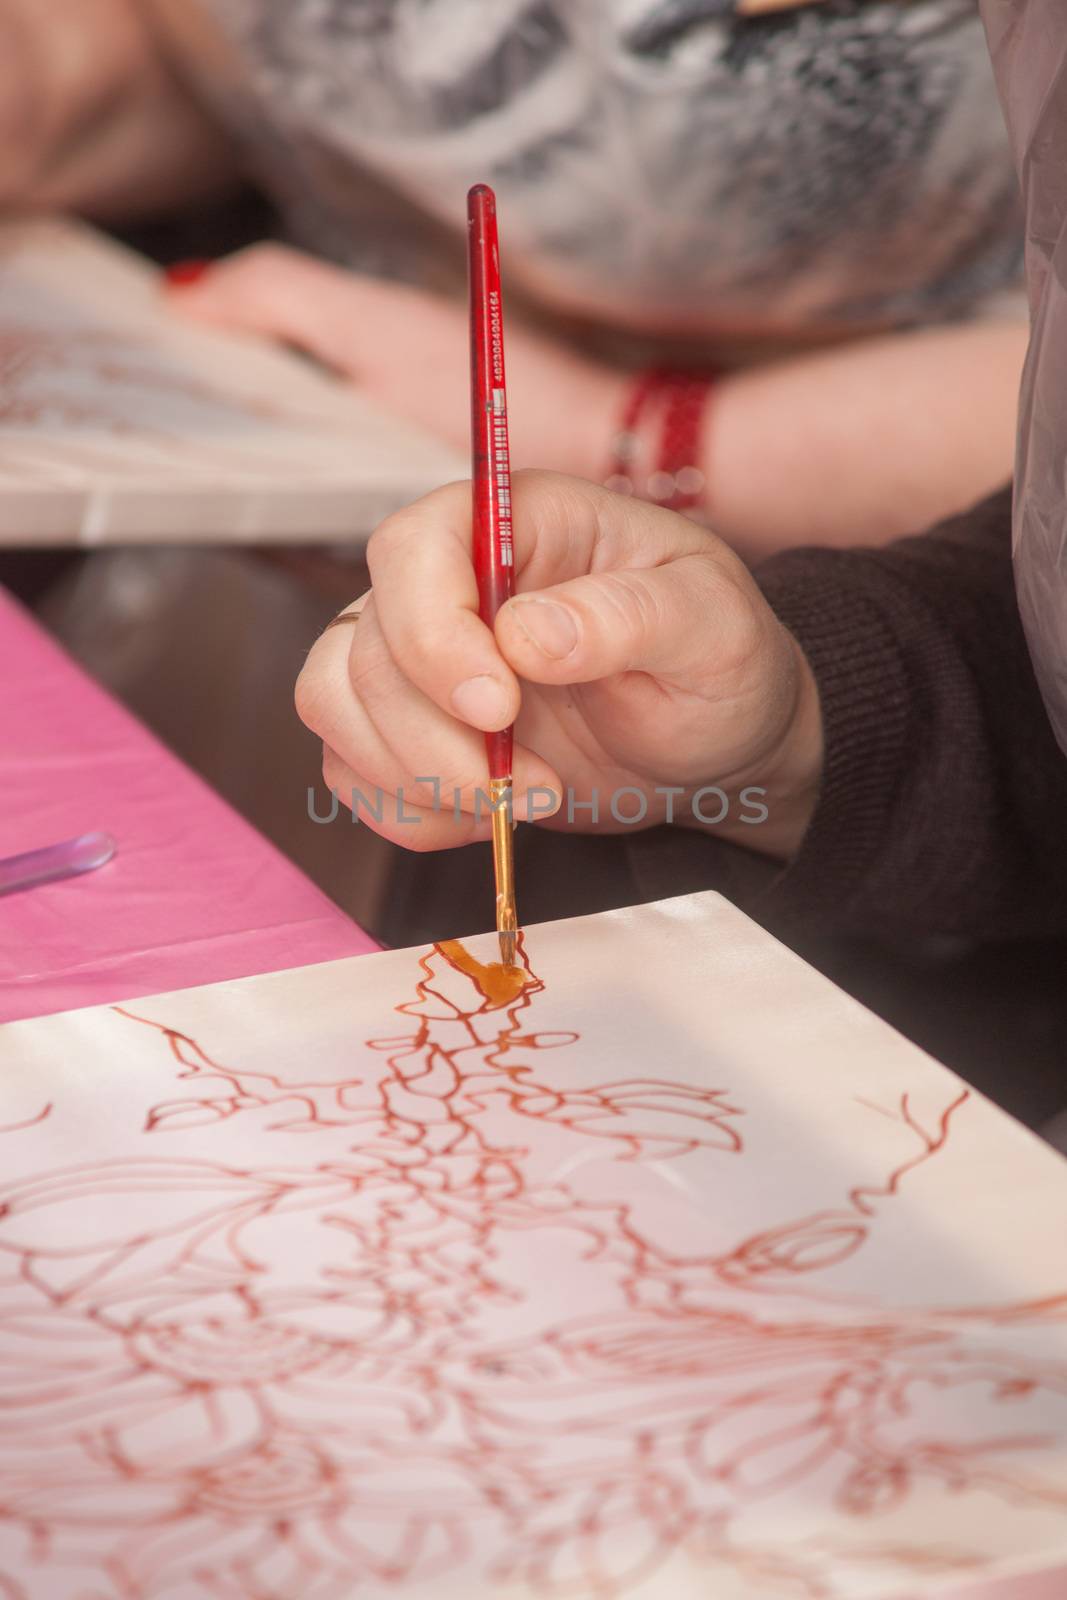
[687, 622]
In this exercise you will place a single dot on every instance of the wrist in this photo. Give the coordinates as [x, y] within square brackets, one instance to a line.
[588, 434]
[793, 773]
[657, 452]
[563, 420]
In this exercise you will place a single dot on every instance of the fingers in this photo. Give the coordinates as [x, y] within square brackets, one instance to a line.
[688, 622]
[426, 596]
[413, 773]
[395, 816]
[426, 600]
[287, 295]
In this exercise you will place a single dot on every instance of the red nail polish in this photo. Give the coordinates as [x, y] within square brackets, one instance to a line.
[184, 273]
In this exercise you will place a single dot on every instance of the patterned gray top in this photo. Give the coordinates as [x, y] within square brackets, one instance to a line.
[657, 161]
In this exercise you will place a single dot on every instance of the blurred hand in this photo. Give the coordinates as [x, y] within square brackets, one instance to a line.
[410, 351]
[854, 444]
[638, 653]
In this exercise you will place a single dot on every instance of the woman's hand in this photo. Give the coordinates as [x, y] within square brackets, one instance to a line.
[857, 444]
[410, 350]
[638, 654]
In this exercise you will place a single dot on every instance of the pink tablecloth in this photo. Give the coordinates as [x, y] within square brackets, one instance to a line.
[193, 895]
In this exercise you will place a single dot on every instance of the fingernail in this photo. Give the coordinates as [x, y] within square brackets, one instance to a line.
[549, 626]
[185, 273]
[480, 701]
[546, 804]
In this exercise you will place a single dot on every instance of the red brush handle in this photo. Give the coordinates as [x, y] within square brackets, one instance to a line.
[493, 549]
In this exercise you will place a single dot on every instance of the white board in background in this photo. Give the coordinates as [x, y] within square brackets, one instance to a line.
[677, 1276]
[122, 423]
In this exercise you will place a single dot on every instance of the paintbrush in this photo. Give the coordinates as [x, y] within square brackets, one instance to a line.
[492, 543]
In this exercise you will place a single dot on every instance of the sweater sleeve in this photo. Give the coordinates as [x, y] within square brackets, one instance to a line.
[943, 804]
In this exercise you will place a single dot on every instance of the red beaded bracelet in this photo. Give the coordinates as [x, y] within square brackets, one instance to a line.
[675, 480]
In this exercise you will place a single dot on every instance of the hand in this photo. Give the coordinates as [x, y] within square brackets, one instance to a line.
[906, 427]
[638, 654]
[410, 351]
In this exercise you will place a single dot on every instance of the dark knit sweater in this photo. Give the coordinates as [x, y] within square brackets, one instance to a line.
[943, 805]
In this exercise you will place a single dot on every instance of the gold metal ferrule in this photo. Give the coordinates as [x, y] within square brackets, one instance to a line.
[507, 925]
